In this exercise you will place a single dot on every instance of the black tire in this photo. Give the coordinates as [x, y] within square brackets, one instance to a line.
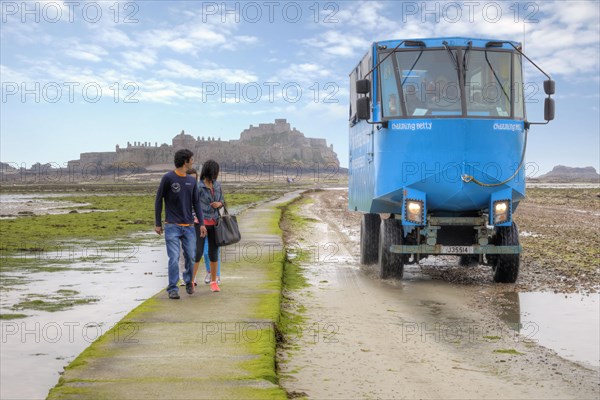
[506, 267]
[391, 265]
[468, 260]
[369, 238]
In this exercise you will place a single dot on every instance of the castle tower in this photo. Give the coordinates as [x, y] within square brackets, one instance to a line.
[183, 141]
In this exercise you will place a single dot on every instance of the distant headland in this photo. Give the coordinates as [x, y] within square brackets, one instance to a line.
[560, 173]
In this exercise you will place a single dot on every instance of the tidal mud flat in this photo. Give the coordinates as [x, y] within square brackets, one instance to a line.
[447, 331]
[61, 313]
[61, 295]
[73, 264]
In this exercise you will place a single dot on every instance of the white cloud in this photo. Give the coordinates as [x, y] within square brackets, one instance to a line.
[338, 43]
[210, 37]
[208, 73]
[195, 34]
[8, 74]
[14, 30]
[246, 39]
[87, 52]
[183, 39]
[504, 28]
[157, 38]
[362, 14]
[334, 111]
[176, 68]
[548, 38]
[166, 92]
[302, 73]
[564, 40]
[577, 13]
[570, 62]
[51, 71]
[113, 37]
[235, 42]
[139, 59]
[561, 96]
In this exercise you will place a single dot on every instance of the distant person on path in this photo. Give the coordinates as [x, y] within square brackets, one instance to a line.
[211, 199]
[181, 198]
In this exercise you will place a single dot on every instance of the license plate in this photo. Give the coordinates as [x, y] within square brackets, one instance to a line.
[457, 249]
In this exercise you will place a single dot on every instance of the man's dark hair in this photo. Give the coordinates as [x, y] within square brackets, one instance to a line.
[182, 156]
[210, 170]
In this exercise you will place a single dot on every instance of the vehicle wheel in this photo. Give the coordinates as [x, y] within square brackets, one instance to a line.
[369, 238]
[468, 260]
[391, 265]
[506, 267]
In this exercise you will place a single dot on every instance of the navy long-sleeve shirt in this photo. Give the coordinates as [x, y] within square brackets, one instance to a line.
[181, 197]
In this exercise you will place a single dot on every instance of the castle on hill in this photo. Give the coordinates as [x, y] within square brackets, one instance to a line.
[266, 143]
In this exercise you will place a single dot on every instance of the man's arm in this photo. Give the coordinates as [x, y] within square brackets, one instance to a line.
[158, 204]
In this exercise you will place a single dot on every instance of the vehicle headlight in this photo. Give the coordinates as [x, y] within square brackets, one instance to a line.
[414, 211]
[501, 211]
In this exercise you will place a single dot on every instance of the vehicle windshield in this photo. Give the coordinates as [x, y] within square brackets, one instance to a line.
[487, 84]
[417, 83]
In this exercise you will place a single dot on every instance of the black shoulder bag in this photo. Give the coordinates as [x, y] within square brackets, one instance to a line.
[226, 229]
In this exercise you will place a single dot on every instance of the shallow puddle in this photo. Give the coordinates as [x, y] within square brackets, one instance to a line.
[566, 323]
[36, 348]
[13, 205]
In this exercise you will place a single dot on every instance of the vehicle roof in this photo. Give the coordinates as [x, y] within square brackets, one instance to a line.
[452, 41]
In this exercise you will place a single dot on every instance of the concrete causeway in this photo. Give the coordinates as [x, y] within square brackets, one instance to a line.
[207, 345]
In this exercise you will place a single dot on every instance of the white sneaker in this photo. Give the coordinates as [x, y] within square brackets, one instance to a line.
[207, 278]
[218, 280]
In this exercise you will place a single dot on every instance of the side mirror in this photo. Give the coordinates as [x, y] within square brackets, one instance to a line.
[548, 108]
[363, 86]
[363, 108]
[549, 86]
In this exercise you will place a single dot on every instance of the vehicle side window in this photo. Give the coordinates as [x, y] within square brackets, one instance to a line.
[518, 89]
[353, 97]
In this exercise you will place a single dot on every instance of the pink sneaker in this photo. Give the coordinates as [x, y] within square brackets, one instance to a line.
[214, 287]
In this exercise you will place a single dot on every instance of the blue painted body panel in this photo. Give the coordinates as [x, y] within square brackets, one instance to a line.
[430, 155]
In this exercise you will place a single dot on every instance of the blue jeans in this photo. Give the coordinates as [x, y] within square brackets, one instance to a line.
[207, 261]
[174, 235]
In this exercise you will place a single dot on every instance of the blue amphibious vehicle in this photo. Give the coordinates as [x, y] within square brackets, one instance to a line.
[438, 132]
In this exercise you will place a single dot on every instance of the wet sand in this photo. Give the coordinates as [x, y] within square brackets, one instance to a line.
[419, 337]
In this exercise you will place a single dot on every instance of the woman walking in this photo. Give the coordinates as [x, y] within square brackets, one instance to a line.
[211, 199]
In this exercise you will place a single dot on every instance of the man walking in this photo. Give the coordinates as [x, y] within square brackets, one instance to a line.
[180, 195]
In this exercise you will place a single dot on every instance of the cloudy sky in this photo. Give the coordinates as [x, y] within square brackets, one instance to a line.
[85, 76]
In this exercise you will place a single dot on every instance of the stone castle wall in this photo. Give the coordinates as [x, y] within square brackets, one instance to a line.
[275, 142]
[98, 158]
